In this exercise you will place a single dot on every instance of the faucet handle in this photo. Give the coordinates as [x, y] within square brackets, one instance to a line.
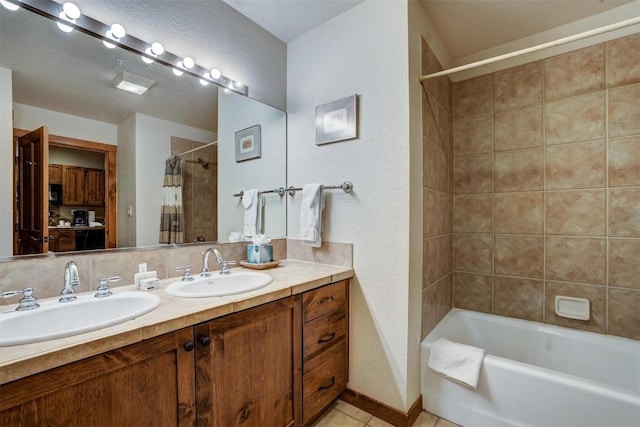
[103, 288]
[27, 302]
[187, 276]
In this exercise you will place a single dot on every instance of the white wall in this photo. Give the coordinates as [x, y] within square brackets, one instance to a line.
[363, 51]
[235, 113]
[30, 118]
[126, 182]
[6, 164]
[153, 147]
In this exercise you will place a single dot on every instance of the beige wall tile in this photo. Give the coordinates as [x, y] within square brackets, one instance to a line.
[624, 161]
[576, 213]
[473, 252]
[624, 212]
[473, 174]
[624, 316]
[519, 170]
[519, 298]
[518, 86]
[578, 118]
[429, 126]
[575, 72]
[519, 213]
[437, 259]
[624, 263]
[473, 213]
[473, 135]
[521, 128]
[437, 300]
[576, 259]
[623, 61]
[597, 300]
[125, 264]
[436, 213]
[474, 96]
[472, 291]
[581, 165]
[436, 167]
[624, 111]
[519, 255]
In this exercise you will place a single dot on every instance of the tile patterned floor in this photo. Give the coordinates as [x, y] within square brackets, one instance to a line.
[343, 414]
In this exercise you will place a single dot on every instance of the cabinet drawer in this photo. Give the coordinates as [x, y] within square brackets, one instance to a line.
[323, 300]
[323, 332]
[325, 377]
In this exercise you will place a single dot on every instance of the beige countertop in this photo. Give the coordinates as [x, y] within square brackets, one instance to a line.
[75, 227]
[290, 278]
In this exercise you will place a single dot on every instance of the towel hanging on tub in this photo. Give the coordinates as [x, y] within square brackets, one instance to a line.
[458, 362]
[171, 215]
[311, 209]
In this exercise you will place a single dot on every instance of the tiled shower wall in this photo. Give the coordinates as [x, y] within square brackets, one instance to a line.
[437, 276]
[546, 189]
[200, 189]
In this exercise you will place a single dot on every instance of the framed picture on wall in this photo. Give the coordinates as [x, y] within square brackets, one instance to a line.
[248, 144]
[337, 120]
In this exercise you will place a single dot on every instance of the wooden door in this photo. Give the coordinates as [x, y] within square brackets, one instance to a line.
[94, 187]
[55, 174]
[248, 367]
[32, 187]
[150, 383]
[73, 182]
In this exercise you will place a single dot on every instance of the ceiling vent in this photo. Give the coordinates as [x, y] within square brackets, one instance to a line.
[132, 83]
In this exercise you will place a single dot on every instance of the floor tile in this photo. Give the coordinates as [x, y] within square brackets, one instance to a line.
[377, 422]
[426, 419]
[352, 411]
[335, 418]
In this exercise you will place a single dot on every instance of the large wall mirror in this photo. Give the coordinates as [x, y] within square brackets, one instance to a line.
[102, 139]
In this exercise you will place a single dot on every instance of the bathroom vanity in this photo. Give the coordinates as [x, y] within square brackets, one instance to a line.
[277, 356]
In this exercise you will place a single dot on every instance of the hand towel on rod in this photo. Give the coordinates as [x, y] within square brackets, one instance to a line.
[251, 201]
[311, 215]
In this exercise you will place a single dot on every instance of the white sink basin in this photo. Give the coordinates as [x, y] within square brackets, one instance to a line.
[54, 319]
[218, 285]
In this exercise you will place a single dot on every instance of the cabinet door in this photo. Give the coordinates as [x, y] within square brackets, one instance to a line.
[53, 243]
[55, 174]
[150, 383]
[94, 187]
[72, 185]
[249, 373]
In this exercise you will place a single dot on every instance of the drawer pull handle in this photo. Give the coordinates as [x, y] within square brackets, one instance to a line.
[326, 387]
[325, 300]
[327, 338]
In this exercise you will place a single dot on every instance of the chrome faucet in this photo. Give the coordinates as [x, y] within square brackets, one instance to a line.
[205, 263]
[71, 279]
[27, 302]
[221, 262]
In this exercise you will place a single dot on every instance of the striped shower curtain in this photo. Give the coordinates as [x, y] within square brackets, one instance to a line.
[171, 216]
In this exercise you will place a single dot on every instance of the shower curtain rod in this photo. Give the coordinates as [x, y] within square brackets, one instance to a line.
[196, 149]
[558, 42]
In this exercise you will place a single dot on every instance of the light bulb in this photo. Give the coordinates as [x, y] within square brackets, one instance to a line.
[117, 31]
[239, 85]
[215, 74]
[71, 11]
[204, 82]
[188, 62]
[10, 6]
[177, 71]
[146, 59]
[63, 27]
[157, 49]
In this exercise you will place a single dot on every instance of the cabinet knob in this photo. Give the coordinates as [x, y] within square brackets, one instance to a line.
[204, 340]
[189, 346]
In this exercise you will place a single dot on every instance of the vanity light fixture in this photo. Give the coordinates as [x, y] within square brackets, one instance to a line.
[215, 74]
[155, 50]
[115, 33]
[10, 6]
[204, 81]
[70, 13]
[187, 63]
[132, 83]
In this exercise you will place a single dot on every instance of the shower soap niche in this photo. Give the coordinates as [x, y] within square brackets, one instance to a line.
[573, 308]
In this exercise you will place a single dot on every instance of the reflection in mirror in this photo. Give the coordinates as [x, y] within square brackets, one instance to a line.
[63, 81]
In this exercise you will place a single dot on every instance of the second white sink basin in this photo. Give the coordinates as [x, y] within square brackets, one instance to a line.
[54, 319]
[218, 285]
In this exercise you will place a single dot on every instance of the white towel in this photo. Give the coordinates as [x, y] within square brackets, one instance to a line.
[311, 215]
[252, 202]
[455, 361]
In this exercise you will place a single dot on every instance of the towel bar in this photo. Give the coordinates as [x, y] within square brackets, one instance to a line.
[279, 190]
[346, 186]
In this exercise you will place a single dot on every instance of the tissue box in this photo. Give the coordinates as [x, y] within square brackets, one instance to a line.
[259, 254]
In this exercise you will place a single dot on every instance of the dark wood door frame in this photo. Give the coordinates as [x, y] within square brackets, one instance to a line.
[110, 177]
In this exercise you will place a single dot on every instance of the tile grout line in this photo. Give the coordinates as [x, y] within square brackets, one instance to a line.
[544, 195]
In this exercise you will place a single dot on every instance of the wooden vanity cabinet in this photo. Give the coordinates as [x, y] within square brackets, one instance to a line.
[325, 347]
[63, 240]
[248, 367]
[148, 383]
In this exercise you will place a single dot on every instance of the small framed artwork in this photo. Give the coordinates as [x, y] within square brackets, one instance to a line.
[337, 120]
[248, 144]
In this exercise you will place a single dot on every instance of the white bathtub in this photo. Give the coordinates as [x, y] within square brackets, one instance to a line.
[535, 375]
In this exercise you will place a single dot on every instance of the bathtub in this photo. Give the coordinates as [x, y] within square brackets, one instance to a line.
[535, 375]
